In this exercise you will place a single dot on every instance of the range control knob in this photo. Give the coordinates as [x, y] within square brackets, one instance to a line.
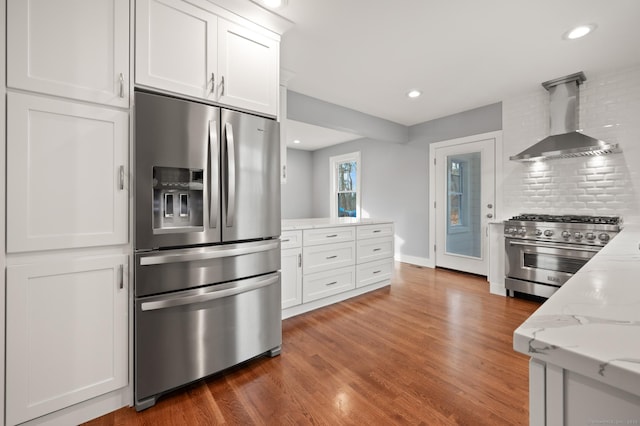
[591, 236]
[566, 234]
[548, 233]
[522, 232]
[577, 235]
[604, 237]
[538, 232]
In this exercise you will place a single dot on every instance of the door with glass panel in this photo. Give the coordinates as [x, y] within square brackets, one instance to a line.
[465, 186]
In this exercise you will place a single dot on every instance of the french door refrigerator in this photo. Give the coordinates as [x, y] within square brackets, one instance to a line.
[207, 252]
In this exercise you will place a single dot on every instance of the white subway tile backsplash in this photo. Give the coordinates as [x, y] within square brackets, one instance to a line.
[609, 110]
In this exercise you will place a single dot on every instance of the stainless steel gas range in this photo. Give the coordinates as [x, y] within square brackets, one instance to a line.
[544, 251]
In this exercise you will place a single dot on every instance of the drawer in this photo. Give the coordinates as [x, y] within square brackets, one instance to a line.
[327, 257]
[314, 237]
[290, 239]
[374, 272]
[324, 284]
[375, 231]
[374, 249]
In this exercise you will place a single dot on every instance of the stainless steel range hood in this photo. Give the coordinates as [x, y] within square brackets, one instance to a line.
[565, 140]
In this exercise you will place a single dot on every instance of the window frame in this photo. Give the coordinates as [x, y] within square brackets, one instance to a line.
[334, 161]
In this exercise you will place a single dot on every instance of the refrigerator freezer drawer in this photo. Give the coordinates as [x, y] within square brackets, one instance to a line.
[173, 270]
[188, 335]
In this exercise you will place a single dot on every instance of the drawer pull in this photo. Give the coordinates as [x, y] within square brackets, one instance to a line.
[375, 231]
[332, 257]
[377, 249]
[332, 283]
[285, 241]
[332, 236]
[376, 272]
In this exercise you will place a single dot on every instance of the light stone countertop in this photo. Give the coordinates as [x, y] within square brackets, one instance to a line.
[325, 222]
[591, 325]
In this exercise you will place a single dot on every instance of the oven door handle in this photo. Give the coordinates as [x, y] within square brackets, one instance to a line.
[245, 286]
[556, 246]
[210, 253]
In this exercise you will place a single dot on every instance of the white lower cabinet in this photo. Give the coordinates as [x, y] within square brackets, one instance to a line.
[324, 284]
[291, 265]
[337, 262]
[67, 333]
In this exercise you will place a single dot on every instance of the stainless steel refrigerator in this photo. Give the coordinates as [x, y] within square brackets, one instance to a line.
[207, 253]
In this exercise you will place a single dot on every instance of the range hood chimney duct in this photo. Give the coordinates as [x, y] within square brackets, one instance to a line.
[564, 140]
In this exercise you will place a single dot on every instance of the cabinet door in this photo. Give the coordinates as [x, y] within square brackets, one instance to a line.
[66, 174]
[291, 277]
[71, 48]
[176, 47]
[66, 333]
[249, 64]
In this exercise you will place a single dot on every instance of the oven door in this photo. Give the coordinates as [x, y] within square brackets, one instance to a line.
[545, 262]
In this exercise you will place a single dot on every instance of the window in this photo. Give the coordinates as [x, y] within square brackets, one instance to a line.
[345, 184]
[456, 192]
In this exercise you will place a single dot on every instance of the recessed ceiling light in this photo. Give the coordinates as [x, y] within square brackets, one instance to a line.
[414, 93]
[296, 141]
[274, 4]
[579, 31]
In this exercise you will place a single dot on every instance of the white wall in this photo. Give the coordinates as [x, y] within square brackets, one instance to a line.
[296, 201]
[607, 185]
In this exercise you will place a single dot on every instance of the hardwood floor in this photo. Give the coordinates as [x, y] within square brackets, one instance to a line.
[434, 348]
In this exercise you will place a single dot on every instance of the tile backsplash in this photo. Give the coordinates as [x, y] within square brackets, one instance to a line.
[606, 185]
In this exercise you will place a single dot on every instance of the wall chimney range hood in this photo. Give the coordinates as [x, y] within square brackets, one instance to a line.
[564, 140]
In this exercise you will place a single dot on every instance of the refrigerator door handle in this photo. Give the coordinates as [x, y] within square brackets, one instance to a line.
[214, 173]
[231, 175]
[241, 287]
[208, 253]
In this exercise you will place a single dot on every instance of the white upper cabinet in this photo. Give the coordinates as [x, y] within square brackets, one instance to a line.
[248, 63]
[71, 48]
[66, 174]
[176, 47]
[185, 48]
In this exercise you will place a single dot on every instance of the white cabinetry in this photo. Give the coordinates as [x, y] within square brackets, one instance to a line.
[71, 48]
[66, 172]
[66, 335]
[291, 265]
[338, 262]
[186, 48]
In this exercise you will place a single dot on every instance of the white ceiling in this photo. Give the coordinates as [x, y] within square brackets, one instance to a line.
[314, 137]
[366, 54]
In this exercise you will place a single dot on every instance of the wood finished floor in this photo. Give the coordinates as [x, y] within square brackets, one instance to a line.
[435, 348]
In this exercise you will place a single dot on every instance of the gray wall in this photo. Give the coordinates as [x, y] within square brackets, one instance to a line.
[297, 192]
[395, 176]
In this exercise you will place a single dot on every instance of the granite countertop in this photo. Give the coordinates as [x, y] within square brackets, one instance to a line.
[325, 222]
[591, 325]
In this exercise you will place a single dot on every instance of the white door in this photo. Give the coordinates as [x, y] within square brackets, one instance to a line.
[72, 48]
[66, 174]
[176, 47]
[66, 333]
[465, 190]
[249, 64]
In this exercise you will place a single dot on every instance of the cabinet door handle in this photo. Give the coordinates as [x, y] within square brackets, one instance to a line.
[299, 260]
[121, 177]
[121, 85]
[332, 257]
[213, 82]
[222, 86]
[121, 276]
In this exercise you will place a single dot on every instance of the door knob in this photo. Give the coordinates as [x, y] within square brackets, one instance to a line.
[490, 206]
[489, 215]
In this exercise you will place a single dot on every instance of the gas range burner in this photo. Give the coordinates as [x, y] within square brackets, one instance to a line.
[603, 220]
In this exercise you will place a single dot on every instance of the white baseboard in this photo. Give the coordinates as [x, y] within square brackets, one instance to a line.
[427, 262]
